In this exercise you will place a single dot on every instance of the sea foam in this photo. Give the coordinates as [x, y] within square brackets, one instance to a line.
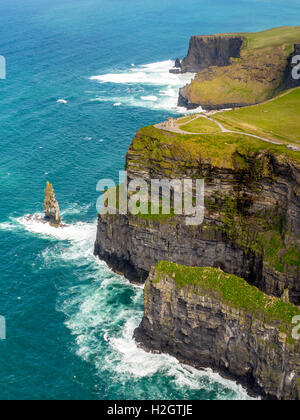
[161, 86]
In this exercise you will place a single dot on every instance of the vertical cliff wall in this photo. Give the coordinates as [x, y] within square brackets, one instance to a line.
[209, 319]
[51, 207]
[289, 81]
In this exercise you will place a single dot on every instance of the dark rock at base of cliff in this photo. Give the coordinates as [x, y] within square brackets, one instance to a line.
[157, 344]
[175, 71]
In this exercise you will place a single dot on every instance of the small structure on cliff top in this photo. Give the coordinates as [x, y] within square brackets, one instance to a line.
[171, 123]
[51, 207]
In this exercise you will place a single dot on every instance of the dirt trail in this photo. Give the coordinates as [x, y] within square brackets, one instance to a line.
[175, 129]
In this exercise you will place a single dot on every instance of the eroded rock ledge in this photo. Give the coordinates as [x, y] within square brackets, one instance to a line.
[207, 318]
[251, 227]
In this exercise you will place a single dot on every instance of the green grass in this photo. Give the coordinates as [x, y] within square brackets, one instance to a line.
[230, 289]
[292, 257]
[272, 38]
[272, 243]
[276, 119]
[201, 125]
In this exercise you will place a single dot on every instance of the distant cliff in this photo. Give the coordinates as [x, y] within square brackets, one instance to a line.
[239, 69]
[207, 318]
[206, 51]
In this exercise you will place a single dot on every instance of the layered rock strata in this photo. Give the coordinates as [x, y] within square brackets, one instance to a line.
[243, 334]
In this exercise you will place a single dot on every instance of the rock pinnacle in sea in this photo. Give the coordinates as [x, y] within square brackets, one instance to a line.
[51, 207]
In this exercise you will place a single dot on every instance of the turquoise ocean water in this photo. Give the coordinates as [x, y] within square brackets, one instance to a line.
[82, 77]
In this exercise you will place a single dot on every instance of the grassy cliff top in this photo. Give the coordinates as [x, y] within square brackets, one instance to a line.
[254, 77]
[230, 289]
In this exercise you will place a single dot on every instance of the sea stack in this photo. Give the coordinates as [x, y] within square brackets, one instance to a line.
[51, 207]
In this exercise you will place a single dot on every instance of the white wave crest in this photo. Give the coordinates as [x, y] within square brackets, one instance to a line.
[156, 79]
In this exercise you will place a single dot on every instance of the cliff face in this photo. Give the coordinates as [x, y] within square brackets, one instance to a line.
[206, 51]
[199, 327]
[289, 81]
[251, 225]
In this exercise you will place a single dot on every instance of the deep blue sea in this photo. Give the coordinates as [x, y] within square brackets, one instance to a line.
[82, 77]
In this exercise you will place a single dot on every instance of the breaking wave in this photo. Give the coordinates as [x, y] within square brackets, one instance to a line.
[149, 86]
